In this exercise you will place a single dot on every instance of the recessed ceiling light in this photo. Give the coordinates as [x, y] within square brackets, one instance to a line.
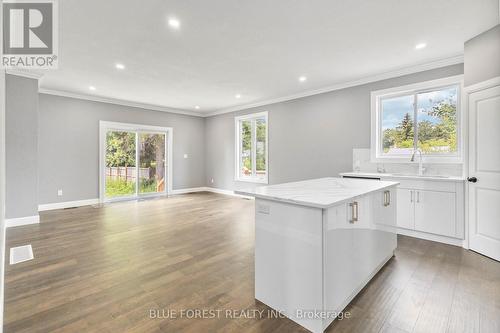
[237, 96]
[420, 46]
[174, 23]
[92, 88]
[302, 79]
[119, 66]
[197, 107]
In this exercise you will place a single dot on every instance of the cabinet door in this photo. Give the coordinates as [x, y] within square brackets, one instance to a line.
[435, 212]
[383, 204]
[405, 208]
[339, 274]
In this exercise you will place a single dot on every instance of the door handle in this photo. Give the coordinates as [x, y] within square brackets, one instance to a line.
[418, 196]
[472, 179]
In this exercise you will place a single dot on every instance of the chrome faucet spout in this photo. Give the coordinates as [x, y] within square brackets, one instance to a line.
[420, 161]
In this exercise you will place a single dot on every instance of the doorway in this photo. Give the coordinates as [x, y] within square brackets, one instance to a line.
[484, 171]
[135, 161]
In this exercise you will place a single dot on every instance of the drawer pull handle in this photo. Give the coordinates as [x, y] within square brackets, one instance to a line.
[387, 198]
[354, 211]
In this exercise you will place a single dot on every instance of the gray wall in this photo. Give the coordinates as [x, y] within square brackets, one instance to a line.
[308, 137]
[482, 56]
[2, 188]
[69, 145]
[21, 146]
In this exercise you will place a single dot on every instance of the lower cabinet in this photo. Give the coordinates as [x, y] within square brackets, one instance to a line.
[431, 207]
[405, 208]
[435, 212]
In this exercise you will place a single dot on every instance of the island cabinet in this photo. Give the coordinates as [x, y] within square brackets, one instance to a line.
[318, 243]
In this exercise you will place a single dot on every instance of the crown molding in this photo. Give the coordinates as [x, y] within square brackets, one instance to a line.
[23, 73]
[116, 101]
[342, 85]
[369, 79]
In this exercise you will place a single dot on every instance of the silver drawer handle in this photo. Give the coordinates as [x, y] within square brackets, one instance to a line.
[354, 211]
[387, 198]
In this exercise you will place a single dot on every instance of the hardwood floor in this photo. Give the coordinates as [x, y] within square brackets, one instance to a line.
[103, 270]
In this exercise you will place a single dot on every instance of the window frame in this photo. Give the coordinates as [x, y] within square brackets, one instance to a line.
[253, 178]
[376, 150]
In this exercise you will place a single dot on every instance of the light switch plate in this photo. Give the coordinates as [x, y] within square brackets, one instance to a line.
[59, 193]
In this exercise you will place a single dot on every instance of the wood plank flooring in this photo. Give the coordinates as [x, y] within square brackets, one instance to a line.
[103, 270]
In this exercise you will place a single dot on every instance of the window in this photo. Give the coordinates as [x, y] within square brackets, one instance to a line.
[251, 148]
[424, 116]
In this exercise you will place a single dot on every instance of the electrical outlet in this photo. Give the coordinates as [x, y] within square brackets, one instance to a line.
[59, 193]
[185, 155]
[212, 180]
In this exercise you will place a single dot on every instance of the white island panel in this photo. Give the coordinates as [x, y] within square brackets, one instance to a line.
[316, 248]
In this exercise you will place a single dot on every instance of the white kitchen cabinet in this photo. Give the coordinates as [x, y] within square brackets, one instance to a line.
[435, 212]
[383, 204]
[405, 208]
[431, 208]
[318, 243]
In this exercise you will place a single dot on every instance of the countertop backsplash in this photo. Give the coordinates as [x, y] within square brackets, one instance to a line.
[361, 162]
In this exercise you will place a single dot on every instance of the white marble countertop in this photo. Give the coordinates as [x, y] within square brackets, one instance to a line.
[403, 176]
[318, 193]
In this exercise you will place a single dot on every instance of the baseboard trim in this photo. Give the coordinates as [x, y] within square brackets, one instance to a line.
[67, 204]
[432, 237]
[227, 192]
[19, 221]
[189, 190]
[209, 189]
[88, 202]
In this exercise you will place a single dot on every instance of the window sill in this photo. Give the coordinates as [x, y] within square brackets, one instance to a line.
[425, 159]
[252, 180]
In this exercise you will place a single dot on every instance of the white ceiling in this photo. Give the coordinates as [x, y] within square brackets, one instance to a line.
[255, 48]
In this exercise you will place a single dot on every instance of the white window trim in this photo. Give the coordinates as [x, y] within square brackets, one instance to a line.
[105, 126]
[376, 96]
[250, 179]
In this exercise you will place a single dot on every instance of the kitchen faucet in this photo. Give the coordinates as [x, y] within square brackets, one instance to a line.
[420, 162]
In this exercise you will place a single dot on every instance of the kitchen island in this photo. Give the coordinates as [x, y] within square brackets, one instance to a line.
[319, 242]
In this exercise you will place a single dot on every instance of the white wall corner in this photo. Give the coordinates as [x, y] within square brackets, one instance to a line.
[19, 221]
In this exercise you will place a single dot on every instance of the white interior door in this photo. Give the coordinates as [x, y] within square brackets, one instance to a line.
[484, 172]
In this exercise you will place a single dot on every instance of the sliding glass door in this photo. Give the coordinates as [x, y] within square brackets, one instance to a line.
[120, 164]
[152, 163]
[134, 161]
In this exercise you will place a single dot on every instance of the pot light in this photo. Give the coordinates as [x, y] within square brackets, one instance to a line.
[197, 107]
[119, 66]
[302, 79]
[420, 46]
[237, 96]
[92, 88]
[174, 23]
